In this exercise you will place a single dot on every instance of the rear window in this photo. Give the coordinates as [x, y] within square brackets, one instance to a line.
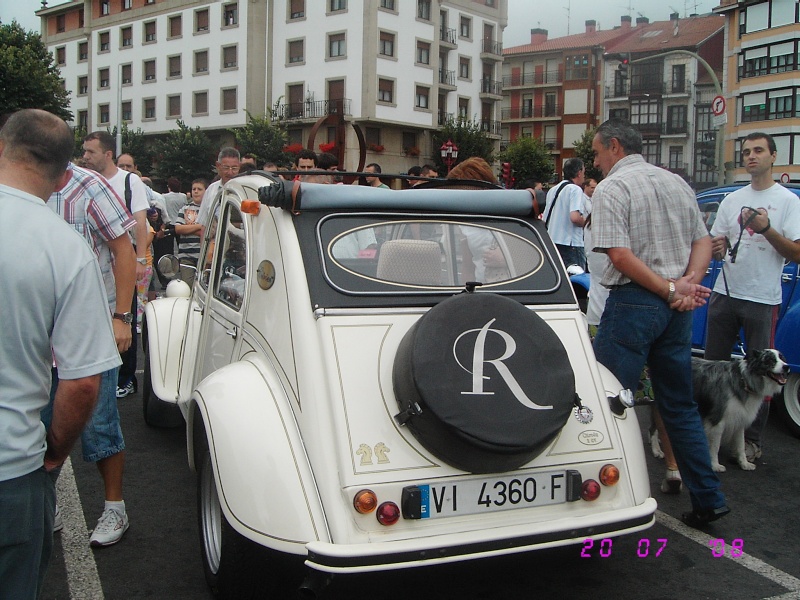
[373, 254]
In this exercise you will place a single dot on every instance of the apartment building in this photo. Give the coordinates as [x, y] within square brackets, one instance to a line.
[553, 89]
[396, 69]
[667, 92]
[762, 72]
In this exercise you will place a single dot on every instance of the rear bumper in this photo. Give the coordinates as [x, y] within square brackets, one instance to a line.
[380, 556]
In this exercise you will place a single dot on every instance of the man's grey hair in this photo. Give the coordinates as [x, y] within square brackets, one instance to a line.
[40, 138]
[228, 152]
[626, 134]
[572, 167]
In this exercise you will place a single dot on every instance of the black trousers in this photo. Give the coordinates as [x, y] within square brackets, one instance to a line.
[127, 371]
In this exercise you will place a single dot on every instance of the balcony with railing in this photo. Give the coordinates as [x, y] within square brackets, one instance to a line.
[444, 117]
[492, 87]
[651, 128]
[545, 111]
[313, 110]
[447, 78]
[531, 79]
[679, 128]
[491, 127]
[491, 49]
[448, 36]
[552, 143]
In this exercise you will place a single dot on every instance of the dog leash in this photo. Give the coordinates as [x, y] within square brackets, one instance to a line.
[734, 251]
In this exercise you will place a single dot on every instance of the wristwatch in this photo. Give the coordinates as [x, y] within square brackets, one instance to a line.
[126, 318]
[141, 261]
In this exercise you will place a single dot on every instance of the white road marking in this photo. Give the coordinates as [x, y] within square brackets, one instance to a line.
[745, 560]
[82, 577]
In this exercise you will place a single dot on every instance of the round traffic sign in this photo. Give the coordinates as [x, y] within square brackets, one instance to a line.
[718, 105]
[785, 178]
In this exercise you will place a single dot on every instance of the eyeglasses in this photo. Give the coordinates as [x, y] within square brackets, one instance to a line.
[229, 168]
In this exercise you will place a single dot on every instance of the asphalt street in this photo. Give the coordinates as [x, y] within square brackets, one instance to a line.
[751, 554]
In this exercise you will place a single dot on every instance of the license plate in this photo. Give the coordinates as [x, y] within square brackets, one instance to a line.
[474, 496]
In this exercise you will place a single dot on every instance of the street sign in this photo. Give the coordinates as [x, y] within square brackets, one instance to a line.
[718, 105]
[719, 120]
[785, 178]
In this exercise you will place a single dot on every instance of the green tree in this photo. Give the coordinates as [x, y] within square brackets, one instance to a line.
[29, 77]
[468, 136]
[184, 153]
[135, 143]
[264, 137]
[583, 150]
[530, 159]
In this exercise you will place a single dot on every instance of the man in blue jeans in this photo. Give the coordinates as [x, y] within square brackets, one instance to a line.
[647, 221]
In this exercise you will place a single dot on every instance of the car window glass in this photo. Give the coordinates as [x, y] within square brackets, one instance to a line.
[232, 259]
[431, 254]
[709, 212]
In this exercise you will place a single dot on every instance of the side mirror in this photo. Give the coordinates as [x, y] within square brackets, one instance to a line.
[169, 266]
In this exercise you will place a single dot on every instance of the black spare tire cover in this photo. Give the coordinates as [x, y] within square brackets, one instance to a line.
[483, 382]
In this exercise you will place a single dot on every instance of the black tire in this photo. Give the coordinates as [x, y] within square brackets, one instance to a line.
[788, 404]
[495, 420]
[157, 413]
[234, 566]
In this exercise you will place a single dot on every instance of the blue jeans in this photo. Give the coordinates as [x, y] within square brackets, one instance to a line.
[102, 436]
[27, 506]
[638, 327]
[572, 255]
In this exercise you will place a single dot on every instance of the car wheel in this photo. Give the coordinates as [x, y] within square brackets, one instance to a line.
[234, 566]
[483, 382]
[157, 413]
[789, 404]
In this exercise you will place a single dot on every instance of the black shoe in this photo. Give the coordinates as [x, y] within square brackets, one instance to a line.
[699, 518]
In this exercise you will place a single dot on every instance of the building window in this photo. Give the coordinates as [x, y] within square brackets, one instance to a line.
[200, 103]
[175, 26]
[296, 52]
[230, 57]
[61, 56]
[149, 32]
[372, 135]
[201, 20]
[201, 62]
[386, 44]
[104, 41]
[174, 65]
[230, 14]
[646, 112]
[385, 90]
[754, 107]
[424, 10]
[781, 106]
[337, 45]
[83, 119]
[577, 67]
[550, 108]
[229, 100]
[337, 5]
[102, 78]
[678, 79]
[463, 109]
[83, 51]
[409, 141]
[127, 114]
[126, 37]
[422, 97]
[174, 106]
[103, 114]
[463, 67]
[149, 105]
[618, 113]
[676, 157]
[465, 27]
[83, 85]
[127, 4]
[297, 9]
[423, 53]
[61, 23]
[127, 74]
[150, 70]
[105, 7]
[676, 119]
[387, 4]
[651, 150]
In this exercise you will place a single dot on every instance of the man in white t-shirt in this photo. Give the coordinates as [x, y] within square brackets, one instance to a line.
[757, 227]
[563, 214]
[228, 165]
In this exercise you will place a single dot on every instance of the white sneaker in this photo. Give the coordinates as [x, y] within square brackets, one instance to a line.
[110, 528]
[58, 522]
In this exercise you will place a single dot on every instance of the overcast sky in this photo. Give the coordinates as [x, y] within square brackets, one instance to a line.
[559, 17]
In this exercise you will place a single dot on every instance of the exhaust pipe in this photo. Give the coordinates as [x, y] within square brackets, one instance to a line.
[313, 585]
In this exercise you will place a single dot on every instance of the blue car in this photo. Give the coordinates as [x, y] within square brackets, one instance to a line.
[787, 334]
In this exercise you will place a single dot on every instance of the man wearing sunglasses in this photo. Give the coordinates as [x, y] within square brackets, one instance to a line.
[757, 227]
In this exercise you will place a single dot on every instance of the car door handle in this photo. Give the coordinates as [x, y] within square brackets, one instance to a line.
[786, 278]
[231, 332]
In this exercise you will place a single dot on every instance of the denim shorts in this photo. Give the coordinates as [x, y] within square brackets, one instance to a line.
[102, 436]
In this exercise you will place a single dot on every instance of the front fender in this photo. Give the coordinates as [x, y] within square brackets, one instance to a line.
[264, 480]
[166, 324]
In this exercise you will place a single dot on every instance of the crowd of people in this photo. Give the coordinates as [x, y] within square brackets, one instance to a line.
[79, 319]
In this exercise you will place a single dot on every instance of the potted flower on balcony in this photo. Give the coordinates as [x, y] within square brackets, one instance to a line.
[375, 147]
[293, 148]
[328, 147]
[412, 151]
